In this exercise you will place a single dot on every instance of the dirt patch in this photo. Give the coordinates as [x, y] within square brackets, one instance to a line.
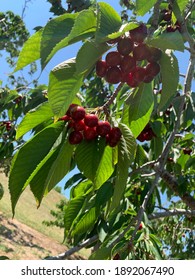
[20, 242]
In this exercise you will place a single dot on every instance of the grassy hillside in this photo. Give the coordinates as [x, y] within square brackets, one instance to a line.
[27, 212]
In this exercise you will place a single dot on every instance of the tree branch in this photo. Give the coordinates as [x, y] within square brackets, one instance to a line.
[171, 213]
[75, 249]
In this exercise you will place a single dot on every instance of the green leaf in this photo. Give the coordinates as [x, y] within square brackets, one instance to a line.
[72, 210]
[64, 83]
[30, 51]
[109, 21]
[172, 41]
[170, 79]
[55, 30]
[33, 118]
[86, 222]
[104, 194]
[88, 155]
[101, 254]
[82, 188]
[60, 167]
[141, 103]
[51, 170]
[143, 6]
[88, 55]
[28, 157]
[105, 168]
[126, 153]
[76, 27]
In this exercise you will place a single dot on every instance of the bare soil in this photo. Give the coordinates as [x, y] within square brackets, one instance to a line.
[21, 242]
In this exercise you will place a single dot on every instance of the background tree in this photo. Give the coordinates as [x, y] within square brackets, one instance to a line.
[123, 116]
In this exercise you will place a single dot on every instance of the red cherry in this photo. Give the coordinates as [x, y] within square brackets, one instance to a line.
[113, 58]
[116, 257]
[91, 120]
[101, 68]
[140, 227]
[113, 75]
[148, 79]
[167, 16]
[103, 128]
[113, 41]
[79, 126]
[78, 113]
[130, 80]
[125, 46]
[75, 137]
[139, 74]
[154, 54]
[90, 133]
[65, 118]
[141, 52]
[187, 151]
[141, 137]
[128, 64]
[68, 113]
[152, 69]
[115, 134]
[139, 34]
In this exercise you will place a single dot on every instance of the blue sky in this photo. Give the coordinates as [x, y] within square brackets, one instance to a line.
[37, 14]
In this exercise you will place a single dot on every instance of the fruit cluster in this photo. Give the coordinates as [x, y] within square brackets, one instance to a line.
[123, 65]
[166, 15]
[88, 126]
[147, 134]
[7, 125]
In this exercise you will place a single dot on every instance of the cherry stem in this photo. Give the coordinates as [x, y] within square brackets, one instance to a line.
[111, 99]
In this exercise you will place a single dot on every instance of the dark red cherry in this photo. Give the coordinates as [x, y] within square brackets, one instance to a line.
[113, 58]
[91, 120]
[101, 68]
[128, 64]
[75, 137]
[77, 113]
[113, 75]
[103, 128]
[139, 34]
[90, 133]
[125, 46]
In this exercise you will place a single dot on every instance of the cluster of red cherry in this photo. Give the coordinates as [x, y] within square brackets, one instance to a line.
[122, 65]
[147, 134]
[88, 126]
[166, 15]
[7, 125]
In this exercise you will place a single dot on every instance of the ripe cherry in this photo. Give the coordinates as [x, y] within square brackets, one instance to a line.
[125, 46]
[139, 34]
[115, 133]
[167, 16]
[152, 69]
[113, 75]
[113, 58]
[128, 64]
[75, 137]
[79, 126]
[90, 133]
[101, 68]
[187, 151]
[65, 118]
[141, 52]
[139, 74]
[130, 80]
[68, 113]
[154, 54]
[91, 120]
[140, 226]
[103, 128]
[77, 113]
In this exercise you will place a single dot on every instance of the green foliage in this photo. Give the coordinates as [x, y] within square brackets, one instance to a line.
[114, 194]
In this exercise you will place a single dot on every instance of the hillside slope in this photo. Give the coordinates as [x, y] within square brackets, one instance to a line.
[24, 236]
